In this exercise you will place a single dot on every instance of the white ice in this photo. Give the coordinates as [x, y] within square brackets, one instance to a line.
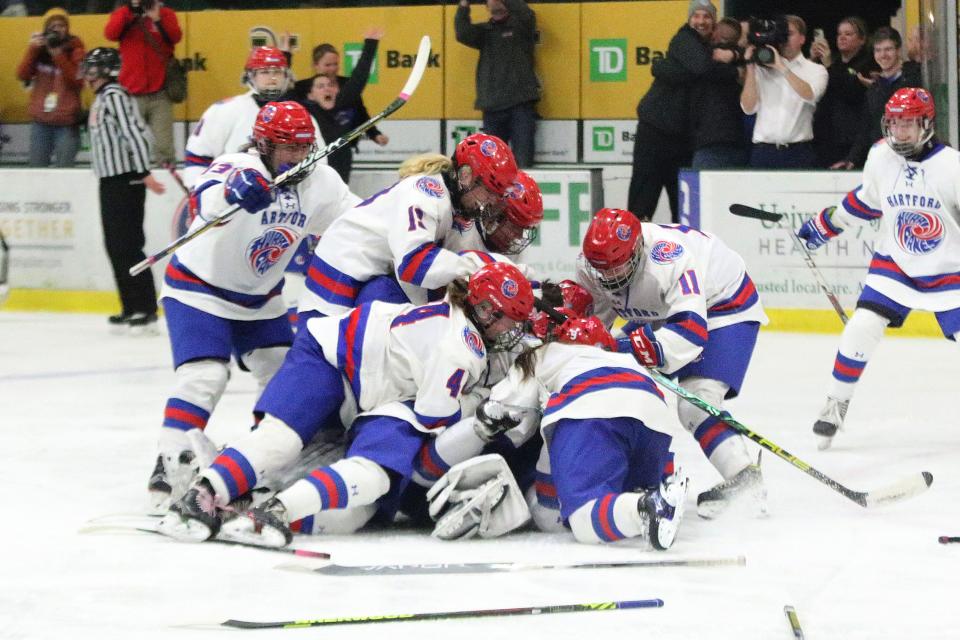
[80, 409]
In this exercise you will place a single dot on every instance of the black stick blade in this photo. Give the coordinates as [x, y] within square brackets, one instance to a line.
[744, 211]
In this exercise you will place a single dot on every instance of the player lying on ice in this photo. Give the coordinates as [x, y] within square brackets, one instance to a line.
[692, 312]
[378, 353]
[911, 183]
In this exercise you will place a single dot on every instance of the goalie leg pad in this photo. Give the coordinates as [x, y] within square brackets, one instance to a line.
[479, 496]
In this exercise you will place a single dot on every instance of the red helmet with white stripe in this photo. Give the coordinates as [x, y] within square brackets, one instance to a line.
[612, 247]
[908, 120]
[284, 123]
[587, 331]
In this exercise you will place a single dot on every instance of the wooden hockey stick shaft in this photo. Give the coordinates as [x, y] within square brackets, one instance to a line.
[745, 211]
[423, 55]
[447, 615]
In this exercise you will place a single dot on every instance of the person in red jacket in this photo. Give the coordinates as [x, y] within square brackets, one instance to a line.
[50, 67]
[147, 32]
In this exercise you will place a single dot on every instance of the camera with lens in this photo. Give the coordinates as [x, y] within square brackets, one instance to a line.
[765, 31]
[139, 7]
[54, 39]
[739, 53]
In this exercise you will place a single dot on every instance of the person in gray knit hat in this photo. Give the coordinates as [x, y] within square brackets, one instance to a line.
[702, 5]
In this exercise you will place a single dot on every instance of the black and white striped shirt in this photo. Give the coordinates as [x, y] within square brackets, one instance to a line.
[119, 139]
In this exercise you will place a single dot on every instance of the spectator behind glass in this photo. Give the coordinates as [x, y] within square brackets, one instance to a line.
[662, 143]
[345, 111]
[716, 121]
[51, 66]
[147, 32]
[837, 119]
[784, 96]
[507, 88]
[894, 75]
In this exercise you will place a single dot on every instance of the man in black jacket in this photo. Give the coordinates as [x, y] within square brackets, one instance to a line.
[662, 143]
[507, 87]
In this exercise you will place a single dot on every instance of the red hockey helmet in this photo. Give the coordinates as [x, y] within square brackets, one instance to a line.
[612, 247]
[515, 227]
[284, 123]
[576, 298]
[489, 158]
[912, 104]
[267, 58]
[589, 331]
[500, 299]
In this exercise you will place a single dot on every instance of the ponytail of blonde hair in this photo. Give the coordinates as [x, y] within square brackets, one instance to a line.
[427, 163]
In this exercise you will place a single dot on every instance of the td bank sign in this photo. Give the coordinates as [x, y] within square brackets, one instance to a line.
[608, 60]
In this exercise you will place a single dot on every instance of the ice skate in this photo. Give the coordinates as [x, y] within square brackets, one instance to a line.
[266, 525]
[119, 323]
[143, 324]
[663, 508]
[830, 421]
[167, 485]
[745, 486]
[195, 517]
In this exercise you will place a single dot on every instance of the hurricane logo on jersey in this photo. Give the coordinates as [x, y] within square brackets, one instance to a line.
[431, 187]
[488, 148]
[919, 232]
[623, 232]
[473, 341]
[509, 288]
[666, 252]
[266, 251]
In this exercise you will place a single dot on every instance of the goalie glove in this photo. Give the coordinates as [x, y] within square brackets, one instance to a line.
[477, 497]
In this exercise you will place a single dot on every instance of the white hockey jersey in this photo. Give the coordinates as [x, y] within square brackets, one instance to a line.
[430, 356]
[917, 261]
[400, 231]
[224, 127]
[236, 271]
[583, 382]
[688, 284]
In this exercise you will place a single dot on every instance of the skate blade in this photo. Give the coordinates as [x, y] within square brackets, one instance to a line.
[184, 529]
[241, 529]
[823, 442]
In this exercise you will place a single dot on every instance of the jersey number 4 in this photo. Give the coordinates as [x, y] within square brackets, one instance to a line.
[454, 382]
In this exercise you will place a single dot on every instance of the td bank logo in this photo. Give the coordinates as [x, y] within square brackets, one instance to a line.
[603, 138]
[351, 56]
[608, 60]
[461, 132]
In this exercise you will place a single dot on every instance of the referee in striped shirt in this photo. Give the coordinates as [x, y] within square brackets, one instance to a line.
[121, 160]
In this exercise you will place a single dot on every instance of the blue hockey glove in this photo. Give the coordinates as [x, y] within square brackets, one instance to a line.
[816, 231]
[248, 189]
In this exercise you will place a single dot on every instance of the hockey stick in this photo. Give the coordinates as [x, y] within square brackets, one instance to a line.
[423, 54]
[948, 539]
[744, 211]
[172, 168]
[901, 490]
[793, 621]
[129, 528]
[4, 267]
[499, 567]
[447, 615]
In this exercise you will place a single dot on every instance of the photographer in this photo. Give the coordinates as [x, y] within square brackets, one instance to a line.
[782, 87]
[147, 32]
[51, 65]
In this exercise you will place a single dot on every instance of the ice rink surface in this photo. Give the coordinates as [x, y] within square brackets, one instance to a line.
[80, 413]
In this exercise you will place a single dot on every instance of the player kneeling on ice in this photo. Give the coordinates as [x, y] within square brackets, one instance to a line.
[414, 230]
[911, 182]
[606, 470]
[691, 312]
[430, 356]
[221, 291]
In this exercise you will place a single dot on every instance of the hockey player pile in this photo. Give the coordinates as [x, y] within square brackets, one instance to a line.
[457, 389]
